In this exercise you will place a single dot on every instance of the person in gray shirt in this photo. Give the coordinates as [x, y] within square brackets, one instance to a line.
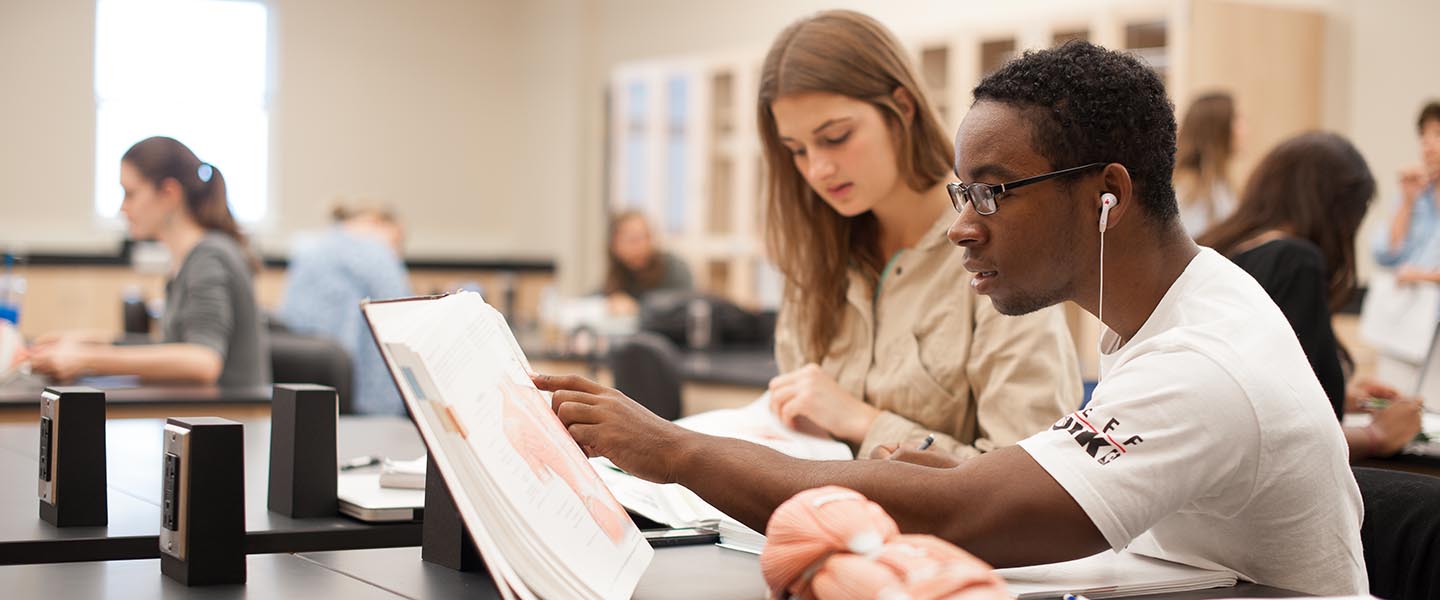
[637, 265]
[211, 330]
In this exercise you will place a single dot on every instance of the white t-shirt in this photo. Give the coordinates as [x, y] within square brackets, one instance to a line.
[1209, 442]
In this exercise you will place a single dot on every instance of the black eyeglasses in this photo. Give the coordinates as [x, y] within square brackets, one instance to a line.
[983, 195]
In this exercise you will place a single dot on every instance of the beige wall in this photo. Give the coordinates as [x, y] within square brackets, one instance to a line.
[483, 119]
[461, 113]
[1376, 56]
[1393, 73]
[47, 122]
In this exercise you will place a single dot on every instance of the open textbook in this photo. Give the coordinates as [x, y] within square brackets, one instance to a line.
[542, 519]
[677, 506]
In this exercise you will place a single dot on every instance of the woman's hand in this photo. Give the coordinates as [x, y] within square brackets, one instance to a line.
[1395, 425]
[809, 393]
[1362, 389]
[924, 458]
[1413, 180]
[62, 360]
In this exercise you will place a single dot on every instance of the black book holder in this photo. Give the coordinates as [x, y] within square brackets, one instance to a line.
[302, 451]
[72, 457]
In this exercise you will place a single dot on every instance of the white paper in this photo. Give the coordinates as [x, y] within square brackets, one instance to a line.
[758, 424]
[1399, 320]
[1110, 575]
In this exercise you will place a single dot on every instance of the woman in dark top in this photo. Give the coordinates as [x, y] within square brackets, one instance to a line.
[1294, 231]
[637, 266]
[211, 329]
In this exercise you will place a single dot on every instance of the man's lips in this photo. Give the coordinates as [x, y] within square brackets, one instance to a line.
[980, 270]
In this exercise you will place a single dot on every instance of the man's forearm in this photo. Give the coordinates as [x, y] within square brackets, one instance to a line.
[1003, 507]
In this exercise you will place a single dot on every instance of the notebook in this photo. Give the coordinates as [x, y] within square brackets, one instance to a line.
[362, 497]
[544, 523]
[1111, 575]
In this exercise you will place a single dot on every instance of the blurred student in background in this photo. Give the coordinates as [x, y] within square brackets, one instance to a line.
[637, 266]
[1209, 136]
[881, 339]
[1295, 233]
[211, 330]
[356, 259]
[1412, 243]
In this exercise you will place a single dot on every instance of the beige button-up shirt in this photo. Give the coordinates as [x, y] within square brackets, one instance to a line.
[935, 357]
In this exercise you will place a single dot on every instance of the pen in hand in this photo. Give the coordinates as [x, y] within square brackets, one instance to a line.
[925, 445]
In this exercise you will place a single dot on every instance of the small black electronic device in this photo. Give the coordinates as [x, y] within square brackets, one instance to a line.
[202, 523]
[302, 450]
[684, 536]
[72, 457]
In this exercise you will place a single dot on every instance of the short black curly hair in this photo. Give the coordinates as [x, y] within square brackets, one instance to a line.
[1088, 104]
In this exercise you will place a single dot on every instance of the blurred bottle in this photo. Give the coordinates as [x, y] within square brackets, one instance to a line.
[698, 324]
[12, 287]
[135, 315]
[549, 315]
[507, 296]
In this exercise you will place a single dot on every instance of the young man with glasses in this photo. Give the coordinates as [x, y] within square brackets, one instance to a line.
[1208, 440]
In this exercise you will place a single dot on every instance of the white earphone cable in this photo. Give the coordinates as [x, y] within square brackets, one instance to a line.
[1100, 335]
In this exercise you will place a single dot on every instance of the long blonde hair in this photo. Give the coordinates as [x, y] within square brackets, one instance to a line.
[1203, 150]
[850, 54]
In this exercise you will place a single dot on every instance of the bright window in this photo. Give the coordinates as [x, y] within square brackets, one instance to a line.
[194, 70]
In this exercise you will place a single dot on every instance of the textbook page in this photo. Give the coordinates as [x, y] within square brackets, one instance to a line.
[547, 511]
[758, 424]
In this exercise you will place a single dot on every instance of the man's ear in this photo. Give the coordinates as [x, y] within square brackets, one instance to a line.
[905, 101]
[1115, 179]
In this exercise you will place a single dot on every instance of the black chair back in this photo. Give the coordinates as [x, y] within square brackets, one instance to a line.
[296, 358]
[647, 367]
[1401, 533]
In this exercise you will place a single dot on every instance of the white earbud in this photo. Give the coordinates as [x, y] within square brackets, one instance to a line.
[1107, 201]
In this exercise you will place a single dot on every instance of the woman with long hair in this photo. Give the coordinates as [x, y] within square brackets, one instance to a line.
[1295, 233]
[881, 340]
[1208, 138]
[211, 330]
[637, 266]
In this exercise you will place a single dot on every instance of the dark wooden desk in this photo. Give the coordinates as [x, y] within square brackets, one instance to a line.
[1414, 463]
[269, 577]
[691, 572]
[20, 402]
[133, 470]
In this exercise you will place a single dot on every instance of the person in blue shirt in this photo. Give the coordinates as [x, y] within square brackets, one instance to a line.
[1412, 244]
[357, 258]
